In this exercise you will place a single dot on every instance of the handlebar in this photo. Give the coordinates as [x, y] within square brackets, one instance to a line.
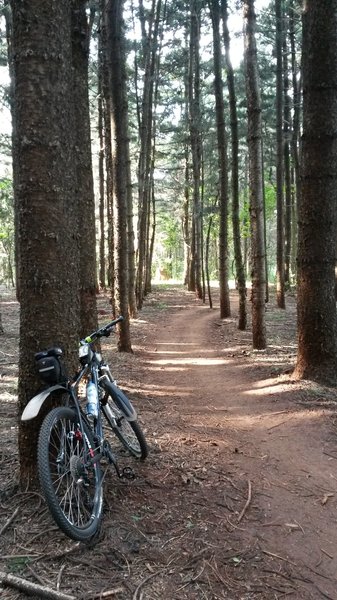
[102, 332]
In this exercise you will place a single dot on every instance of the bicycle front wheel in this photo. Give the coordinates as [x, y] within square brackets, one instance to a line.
[129, 433]
[70, 483]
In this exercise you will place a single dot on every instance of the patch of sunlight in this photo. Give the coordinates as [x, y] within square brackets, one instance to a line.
[267, 384]
[157, 391]
[272, 420]
[168, 369]
[183, 352]
[176, 344]
[204, 362]
[271, 359]
[139, 321]
[265, 389]
[282, 348]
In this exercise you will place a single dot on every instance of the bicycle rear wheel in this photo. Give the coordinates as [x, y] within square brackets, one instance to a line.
[129, 433]
[72, 487]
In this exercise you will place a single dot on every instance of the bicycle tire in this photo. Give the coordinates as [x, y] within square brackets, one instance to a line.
[73, 493]
[129, 433]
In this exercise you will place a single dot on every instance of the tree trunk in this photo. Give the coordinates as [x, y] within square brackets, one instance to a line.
[114, 13]
[45, 198]
[296, 86]
[9, 37]
[287, 167]
[255, 179]
[101, 157]
[186, 221]
[107, 111]
[317, 321]
[194, 116]
[239, 264]
[225, 310]
[152, 238]
[208, 235]
[280, 298]
[150, 46]
[81, 30]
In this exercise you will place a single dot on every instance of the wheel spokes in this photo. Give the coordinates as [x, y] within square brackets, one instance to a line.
[71, 482]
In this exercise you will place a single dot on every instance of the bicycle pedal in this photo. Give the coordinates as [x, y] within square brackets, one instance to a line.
[128, 473]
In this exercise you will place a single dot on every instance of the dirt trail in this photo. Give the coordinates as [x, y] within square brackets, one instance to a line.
[260, 432]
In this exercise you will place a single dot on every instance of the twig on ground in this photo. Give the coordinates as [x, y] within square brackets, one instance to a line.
[242, 513]
[39, 579]
[215, 571]
[279, 424]
[32, 588]
[230, 481]
[235, 526]
[142, 583]
[9, 521]
[61, 553]
[324, 594]
[329, 454]
[277, 556]
[81, 561]
[192, 579]
[44, 532]
[59, 576]
[106, 593]
[327, 553]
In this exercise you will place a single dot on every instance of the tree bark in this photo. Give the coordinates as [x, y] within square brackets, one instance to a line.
[296, 87]
[287, 167]
[45, 198]
[239, 263]
[9, 38]
[280, 298]
[107, 111]
[317, 321]
[101, 158]
[194, 118]
[255, 179]
[81, 31]
[121, 163]
[150, 51]
[225, 309]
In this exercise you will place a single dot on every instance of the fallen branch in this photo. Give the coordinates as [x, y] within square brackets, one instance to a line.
[32, 588]
[8, 522]
[242, 513]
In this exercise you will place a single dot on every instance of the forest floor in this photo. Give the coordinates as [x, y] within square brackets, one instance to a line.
[238, 497]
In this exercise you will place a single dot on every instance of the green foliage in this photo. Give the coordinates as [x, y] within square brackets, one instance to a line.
[270, 200]
[169, 247]
[6, 231]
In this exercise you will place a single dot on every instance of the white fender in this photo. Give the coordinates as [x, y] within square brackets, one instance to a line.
[33, 407]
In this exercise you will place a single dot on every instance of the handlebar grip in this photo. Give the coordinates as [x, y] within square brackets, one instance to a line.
[103, 332]
[108, 328]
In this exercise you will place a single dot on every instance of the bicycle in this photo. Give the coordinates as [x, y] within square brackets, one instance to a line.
[72, 443]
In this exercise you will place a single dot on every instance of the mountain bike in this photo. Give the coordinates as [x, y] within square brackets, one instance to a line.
[74, 442]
